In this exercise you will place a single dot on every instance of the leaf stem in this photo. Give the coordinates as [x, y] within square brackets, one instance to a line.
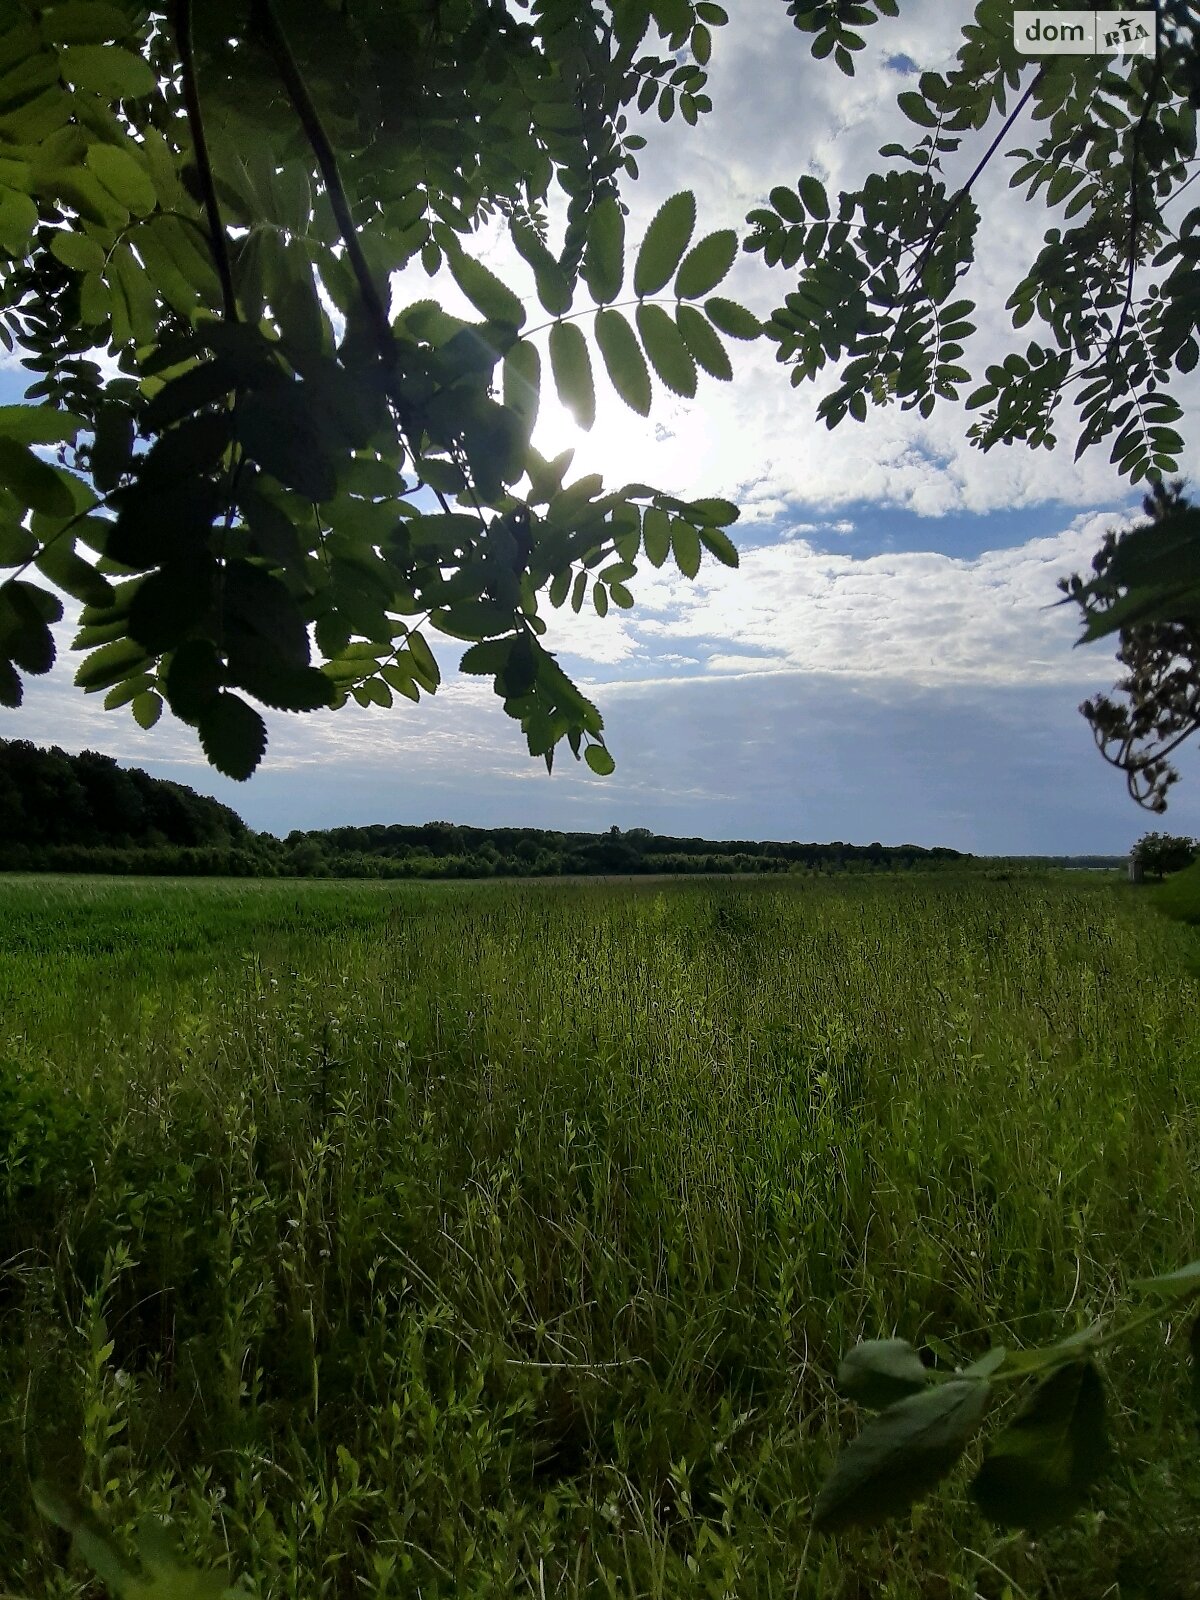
[616, 305]
[1139, 133]
[182, 18]
[57, 535]
[961, 194]
[264, 18]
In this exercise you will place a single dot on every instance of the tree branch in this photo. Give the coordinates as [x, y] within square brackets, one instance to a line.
[1114, 346]
[181, 14]
[943, 221]
[264, 18]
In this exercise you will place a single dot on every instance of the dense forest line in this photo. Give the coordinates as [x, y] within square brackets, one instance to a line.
[84, 813]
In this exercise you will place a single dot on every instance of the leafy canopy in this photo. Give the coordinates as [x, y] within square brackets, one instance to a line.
[1165, 852]
[278, 487]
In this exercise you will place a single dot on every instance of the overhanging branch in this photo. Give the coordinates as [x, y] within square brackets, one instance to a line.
[267, 23]
[181, 17]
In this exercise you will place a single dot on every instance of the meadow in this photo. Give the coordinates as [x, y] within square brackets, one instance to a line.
[492, 1240]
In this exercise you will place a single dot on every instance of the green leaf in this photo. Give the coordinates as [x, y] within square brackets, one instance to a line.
[146, 708]
[424, 664]
[572, 368]
[732, 318]
[129, 690]
[473, 619]
[915, 109]
[553, 289]
[17, 545]
[656, 535]
[107, 70]
[666, 239]
[486, 658]
[598, 758]
[787, 203]
[706, 349]
[400, 680]
[1074, 1347]
[706, 264]
[277, 430]
[816, 201]
[900, 1455]
[39, 424]
[1172, 1285]
[170, 603]
[258, 669]
[83, 22]
[490, 297]
[685, 543]
[720, 545]
[35, 482]
[123, 176]
[1194, 1361]
[188, 451]
[112, 663]
[88, 1540]
[604, 258]
[623, 360]
[878, 1372]
[25, 637]
[1039, 1470]
[495, 446]
[665, 346]
[11, 689]
[233, 735]
[72, 574]
[77, 251]
[713, 512]
[990, 1361]
[193, 679]
[199, 386]
[522, 383]
[18, 219]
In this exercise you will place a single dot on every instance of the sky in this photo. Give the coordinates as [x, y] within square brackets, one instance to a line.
[887, 663]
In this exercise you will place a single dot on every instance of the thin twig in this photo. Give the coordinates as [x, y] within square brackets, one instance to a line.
[265, 20]
[1114, 347]
[944, 220]
[182, 17]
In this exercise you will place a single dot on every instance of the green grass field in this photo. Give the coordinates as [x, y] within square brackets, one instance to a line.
[498, 1240]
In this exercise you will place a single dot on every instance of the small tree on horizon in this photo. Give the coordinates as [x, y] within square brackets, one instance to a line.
[1161, 853]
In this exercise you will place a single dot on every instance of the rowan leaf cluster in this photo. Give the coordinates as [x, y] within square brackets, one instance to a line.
[273, 488]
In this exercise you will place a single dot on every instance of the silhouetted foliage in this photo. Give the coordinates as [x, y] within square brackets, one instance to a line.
[84, 813]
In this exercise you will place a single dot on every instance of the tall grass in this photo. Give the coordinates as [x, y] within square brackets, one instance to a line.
[492, 1240]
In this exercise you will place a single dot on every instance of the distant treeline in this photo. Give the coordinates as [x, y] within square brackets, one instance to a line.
[64, 813]
[446, 850]
[84, 813]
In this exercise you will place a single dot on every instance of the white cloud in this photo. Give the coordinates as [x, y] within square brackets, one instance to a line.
[778, 114]
[920, 617]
